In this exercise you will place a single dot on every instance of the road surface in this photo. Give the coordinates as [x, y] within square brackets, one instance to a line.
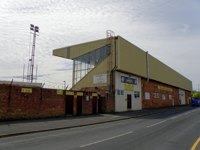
[166, 131]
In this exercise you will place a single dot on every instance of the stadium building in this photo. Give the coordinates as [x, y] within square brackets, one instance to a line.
[124, 76]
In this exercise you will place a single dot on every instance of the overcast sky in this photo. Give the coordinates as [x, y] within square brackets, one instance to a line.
[168, 29]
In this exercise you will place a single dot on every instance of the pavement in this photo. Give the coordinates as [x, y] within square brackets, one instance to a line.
[19, 127]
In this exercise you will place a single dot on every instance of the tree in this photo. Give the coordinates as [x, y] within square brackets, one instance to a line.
[195, 95]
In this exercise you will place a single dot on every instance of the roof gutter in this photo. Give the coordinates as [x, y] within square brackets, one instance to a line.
[116, 52]
[112, 76]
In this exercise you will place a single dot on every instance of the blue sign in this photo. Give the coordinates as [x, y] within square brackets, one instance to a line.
[128, 80]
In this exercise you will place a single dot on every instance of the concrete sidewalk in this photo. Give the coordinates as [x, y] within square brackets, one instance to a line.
[13, 128]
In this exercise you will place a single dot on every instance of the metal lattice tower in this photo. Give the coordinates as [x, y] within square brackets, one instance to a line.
[30, 72]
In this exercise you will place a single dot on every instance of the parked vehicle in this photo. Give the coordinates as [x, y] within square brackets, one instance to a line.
[195, 102]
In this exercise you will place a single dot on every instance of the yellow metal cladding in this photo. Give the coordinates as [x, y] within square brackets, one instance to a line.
[62, 52]
[132, 59]
[160, 72]
[74, 51]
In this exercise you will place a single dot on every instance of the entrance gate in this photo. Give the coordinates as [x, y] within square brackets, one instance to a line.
[129, 102]
[101, 104]
[94, 105]
[69, 104]
[79, 105]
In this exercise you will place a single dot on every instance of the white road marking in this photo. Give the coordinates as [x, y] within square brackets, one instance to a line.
[187, 113]
[174, 117]
[177, 116]
[183, 114]
[115, 116]
[156, 123]
[103, 140]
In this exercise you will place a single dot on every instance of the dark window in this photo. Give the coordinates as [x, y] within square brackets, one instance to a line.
[137, 94]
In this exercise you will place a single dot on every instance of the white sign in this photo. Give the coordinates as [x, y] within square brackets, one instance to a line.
[100, 78]
[147, 95]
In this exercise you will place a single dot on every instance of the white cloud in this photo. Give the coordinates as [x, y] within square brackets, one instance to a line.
[169, 30]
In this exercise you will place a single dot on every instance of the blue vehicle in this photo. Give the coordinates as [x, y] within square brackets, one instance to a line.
[195, 102]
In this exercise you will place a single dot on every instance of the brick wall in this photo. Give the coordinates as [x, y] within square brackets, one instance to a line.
[15, 104]
[188, 97]
[4, 96]
[40, 102]
[18, 102]
[109, 101]
[51, 103]
[88, 99]
[87, 106]
[161, 95]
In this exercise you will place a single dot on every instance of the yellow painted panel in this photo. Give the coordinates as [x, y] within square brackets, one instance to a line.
[164, 88]
[69, 93]
[94, 94]
[26, 90]
[128, 87]
[59, 92]
[79, 93]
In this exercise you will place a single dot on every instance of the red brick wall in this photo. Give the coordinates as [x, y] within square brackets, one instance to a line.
[109, 98]
[188, 97]
[158, 101]
[87, 106]
[40, 103]
[51, 103]
[110, 103]
[4, 99]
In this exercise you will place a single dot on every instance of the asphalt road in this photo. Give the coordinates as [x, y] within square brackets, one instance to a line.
[166, 131]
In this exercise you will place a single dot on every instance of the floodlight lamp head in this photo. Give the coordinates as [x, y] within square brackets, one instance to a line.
[31, 27]
[36, 29]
